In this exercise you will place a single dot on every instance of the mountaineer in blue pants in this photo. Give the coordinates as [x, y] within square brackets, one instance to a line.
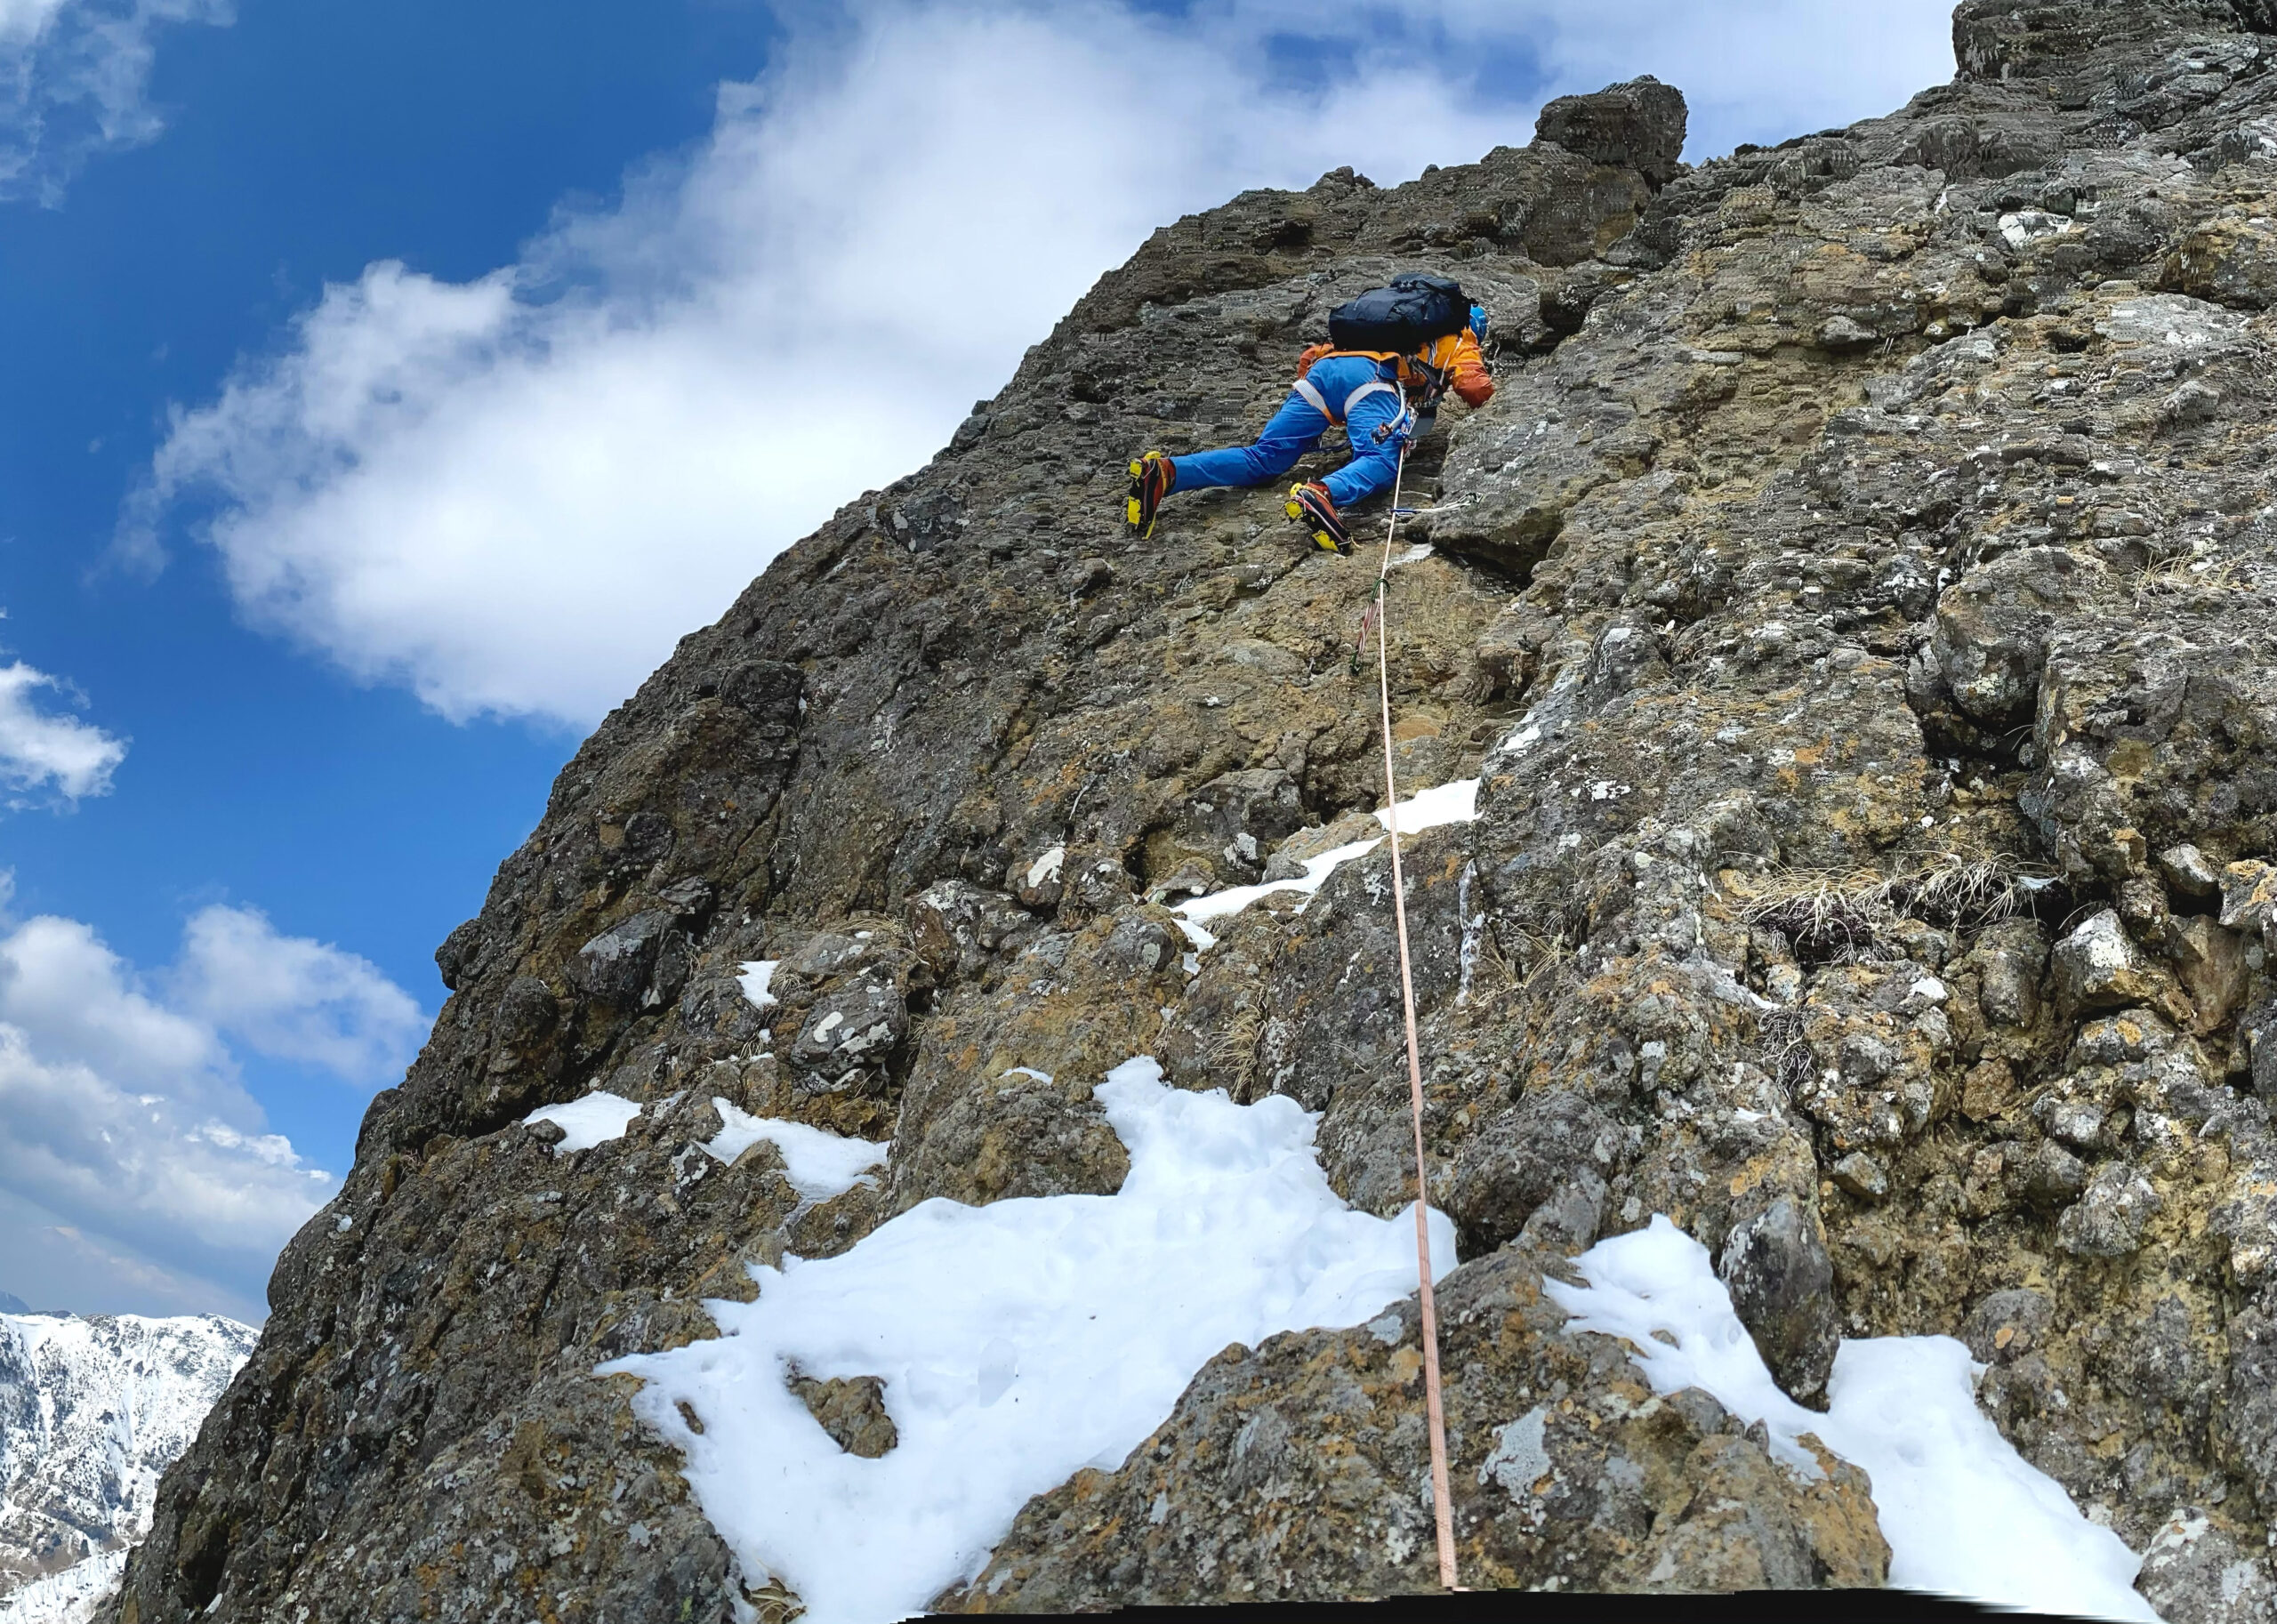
[1373, 394]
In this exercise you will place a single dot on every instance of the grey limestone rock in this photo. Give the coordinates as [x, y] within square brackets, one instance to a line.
[615, 966]
[1781, 1282]
[1231, 825]
[1637, 125]
[2098, 966]
[2109, 1219]
[1523, 1159]
[851, 1033]
[2194, 1572]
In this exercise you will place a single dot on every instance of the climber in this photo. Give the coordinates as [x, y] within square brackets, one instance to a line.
[1394, 352]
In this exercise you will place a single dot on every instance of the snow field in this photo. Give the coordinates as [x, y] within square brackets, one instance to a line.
[597, 1118]
[1964, 1513]
[96, 1409]
[1449, 803]
[74, 1595]
[1018, 1343]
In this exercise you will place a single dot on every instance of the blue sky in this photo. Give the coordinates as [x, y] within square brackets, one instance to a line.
[387, 387]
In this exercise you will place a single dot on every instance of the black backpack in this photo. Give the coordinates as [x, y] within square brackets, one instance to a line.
[1402, 318]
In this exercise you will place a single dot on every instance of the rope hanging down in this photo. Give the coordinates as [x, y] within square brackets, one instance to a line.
[1441, 1507]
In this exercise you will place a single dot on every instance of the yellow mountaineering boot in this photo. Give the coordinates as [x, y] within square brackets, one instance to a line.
[1309, 506]
[1152, 475]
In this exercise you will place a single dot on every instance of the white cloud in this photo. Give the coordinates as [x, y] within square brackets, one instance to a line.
[41, 750]
[74, 78]
[130, 1136]
[293, 998]
[51, 1264]
[513, 495]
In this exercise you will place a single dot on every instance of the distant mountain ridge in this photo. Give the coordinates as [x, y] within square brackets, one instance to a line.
[91, 1411]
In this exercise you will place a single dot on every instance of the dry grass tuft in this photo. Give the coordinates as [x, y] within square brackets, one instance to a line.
[1781, 1034]
[1838, 917]
[2241, 585]
[1232, 1053]
[2187, 574]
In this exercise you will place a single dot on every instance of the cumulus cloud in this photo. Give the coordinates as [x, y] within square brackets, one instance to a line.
[512, 495]
[74, 80]
[41, 750]
[293, 998]
[130, 1134]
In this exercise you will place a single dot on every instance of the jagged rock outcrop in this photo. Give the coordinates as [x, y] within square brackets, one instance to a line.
[91, 1411]
[1857, 603]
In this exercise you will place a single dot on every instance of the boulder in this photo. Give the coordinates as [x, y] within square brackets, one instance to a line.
[1523, 1159]
[1637, 125]
[1230, 825]
[2109, 1219]
[848, 1037]
[1781, 1282]
[615, 967]
[2098, 967]
[1290, 1471]
[1990, 641]
[2196, 1572]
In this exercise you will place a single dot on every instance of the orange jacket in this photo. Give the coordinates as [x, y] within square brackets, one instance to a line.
[1452, 362]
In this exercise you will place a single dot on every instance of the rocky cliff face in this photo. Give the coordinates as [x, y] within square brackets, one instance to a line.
[91, 1411]
[1857, 603]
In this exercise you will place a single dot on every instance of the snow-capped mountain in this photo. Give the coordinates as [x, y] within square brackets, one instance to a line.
[91, 1411]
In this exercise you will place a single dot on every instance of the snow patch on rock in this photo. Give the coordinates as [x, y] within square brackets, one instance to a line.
[1449, 803]
[1964, 1513]
[597, 1118]
[1017, 1343]
[758, 974]
[819, 1165]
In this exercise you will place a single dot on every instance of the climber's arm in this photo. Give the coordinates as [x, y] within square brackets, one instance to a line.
[1470, 378]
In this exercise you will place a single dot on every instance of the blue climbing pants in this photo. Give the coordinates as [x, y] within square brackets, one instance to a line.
[1300, 422]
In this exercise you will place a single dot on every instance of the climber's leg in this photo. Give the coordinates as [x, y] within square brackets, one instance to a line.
[1295, 430]
[1379, 426]
[1309, 506]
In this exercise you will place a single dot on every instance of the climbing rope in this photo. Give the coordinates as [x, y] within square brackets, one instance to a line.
[1435, 1410]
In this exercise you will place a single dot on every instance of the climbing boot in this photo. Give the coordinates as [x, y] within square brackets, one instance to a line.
[1151, 478]
[1309, 506]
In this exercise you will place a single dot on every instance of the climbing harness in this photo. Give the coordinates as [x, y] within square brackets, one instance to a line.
[1434, 1407]
[1309, 393]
